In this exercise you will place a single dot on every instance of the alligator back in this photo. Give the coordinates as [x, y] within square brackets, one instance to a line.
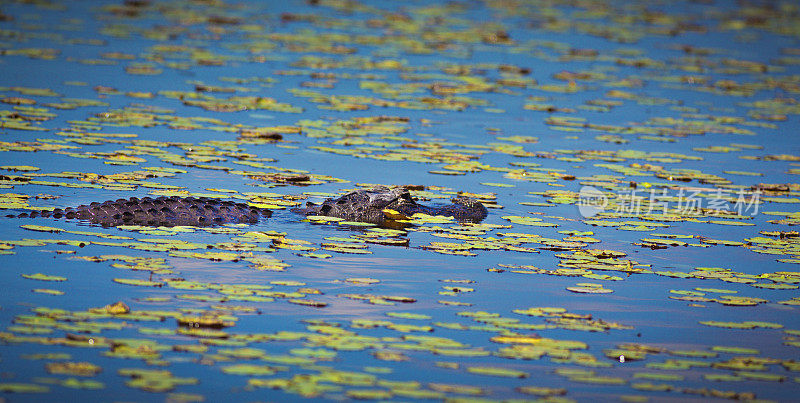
[160, 211]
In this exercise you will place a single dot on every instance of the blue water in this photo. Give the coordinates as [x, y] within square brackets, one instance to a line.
[81, 33]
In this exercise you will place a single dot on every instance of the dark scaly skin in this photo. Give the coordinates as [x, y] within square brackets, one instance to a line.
[160, 212]
[367, 205]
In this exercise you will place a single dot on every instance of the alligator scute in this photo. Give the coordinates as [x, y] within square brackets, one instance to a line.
[160, 212]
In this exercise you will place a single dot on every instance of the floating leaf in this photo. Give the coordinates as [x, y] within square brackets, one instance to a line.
[369, 394]
[589, 288]
[88, 384]
[43, 277]
[742, 325]
[23, 388]
[308, 302]
[73, 368]
[734, 350]
[251, 369]
[362, 281]
[143, 283]
[496, 371]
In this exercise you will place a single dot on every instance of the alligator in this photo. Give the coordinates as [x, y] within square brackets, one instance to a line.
[161, 211]
[368, 205]
[365, 205]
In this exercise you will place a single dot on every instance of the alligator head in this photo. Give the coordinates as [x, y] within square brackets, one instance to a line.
[368, 205]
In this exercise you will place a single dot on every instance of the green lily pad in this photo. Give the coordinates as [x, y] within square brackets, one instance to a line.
[497, 371]
[43, 277]
[73, 368]
[252, 369]
[23, 388]
[143, 283]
